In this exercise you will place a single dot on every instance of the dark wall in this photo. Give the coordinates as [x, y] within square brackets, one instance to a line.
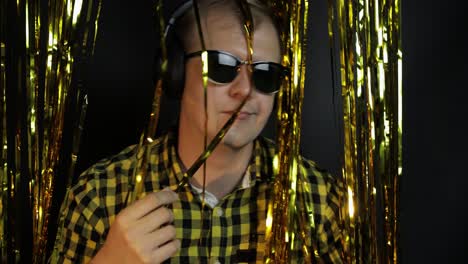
[434, 190]
[433, 193]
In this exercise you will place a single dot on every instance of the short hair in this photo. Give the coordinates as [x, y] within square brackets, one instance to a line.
[186, 27]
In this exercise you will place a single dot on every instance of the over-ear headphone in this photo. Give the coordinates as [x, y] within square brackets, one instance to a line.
[174, 77]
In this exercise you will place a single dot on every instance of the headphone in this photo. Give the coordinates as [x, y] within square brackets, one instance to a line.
[174, 77]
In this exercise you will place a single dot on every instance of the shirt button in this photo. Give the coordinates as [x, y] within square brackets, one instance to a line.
[219, 211]
[217, 262]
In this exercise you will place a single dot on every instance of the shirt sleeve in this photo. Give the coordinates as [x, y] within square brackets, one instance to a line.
[80, 232]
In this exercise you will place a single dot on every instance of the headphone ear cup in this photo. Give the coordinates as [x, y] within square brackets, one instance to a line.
[174, 78]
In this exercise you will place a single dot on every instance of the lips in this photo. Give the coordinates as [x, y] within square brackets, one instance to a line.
[241, 116]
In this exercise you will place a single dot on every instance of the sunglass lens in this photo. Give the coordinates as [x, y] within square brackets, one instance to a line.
[267, 77]
[222, 68]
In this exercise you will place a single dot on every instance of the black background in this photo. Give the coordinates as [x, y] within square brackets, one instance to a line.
[433, 186]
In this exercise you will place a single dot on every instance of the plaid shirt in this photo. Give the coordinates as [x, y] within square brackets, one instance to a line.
[231, 232]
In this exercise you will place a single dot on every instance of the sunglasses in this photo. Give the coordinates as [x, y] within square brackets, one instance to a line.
[223, 68]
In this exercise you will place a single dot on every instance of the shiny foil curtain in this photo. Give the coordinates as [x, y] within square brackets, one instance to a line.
[366, 39]
[42, 45]
[289, 213]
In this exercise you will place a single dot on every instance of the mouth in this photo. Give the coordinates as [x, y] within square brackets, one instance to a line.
[241, 116]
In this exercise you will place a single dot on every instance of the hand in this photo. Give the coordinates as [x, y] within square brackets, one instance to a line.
[142, 233]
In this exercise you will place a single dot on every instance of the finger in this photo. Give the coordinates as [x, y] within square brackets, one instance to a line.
[149, 203]
[155, 219]
[162, 236]
[147, 244]
[166, 251]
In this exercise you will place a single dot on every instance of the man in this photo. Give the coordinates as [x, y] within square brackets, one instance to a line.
[175, 227]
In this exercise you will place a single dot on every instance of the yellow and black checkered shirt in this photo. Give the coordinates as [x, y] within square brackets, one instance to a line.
[231, 232]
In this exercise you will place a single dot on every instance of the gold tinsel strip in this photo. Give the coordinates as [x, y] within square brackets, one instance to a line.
[4, 173]
[289, 114]
[138, 179]
[370, 70]
[290, 217]
[35, 97]
[147, 137]
[204, 73]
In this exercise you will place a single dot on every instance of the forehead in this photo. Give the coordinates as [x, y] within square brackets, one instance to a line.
[224, 31]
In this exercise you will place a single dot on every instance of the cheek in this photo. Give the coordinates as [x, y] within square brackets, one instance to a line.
[193, 90]
[217, 100]
[267, 103]
[193, 80]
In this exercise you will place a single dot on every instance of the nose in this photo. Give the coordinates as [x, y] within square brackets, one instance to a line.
[242, 85]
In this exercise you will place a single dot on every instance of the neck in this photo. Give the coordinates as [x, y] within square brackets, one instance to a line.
[225, 167]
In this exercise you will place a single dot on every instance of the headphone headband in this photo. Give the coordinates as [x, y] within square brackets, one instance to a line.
[176, 14]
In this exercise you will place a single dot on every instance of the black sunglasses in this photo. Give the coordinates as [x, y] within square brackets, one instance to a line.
[223, 68]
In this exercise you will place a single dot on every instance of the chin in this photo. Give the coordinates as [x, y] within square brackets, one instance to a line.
[236, 140]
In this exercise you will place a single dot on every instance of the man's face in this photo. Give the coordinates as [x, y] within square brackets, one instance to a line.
[224, 33]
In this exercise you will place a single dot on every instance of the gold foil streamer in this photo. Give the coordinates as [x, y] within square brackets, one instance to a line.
[245, 10]
[143, 150]
[204, 60]
[143, 147]
[138, 179]
[286, 222]
[40, 40]
[4, 194]
[146, 138]
[209, 149]
[368, 34]
[290, 217]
